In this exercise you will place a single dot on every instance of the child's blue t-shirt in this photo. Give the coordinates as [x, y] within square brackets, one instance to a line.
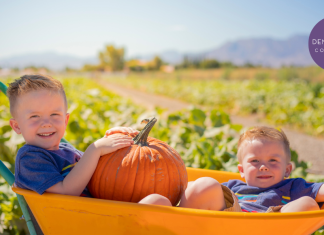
[254, 199]
[38, 169]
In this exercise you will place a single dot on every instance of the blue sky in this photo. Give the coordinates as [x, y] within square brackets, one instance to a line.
[82, 28]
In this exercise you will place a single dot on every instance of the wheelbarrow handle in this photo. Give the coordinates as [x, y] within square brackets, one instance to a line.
[6, 174]
[3, 88]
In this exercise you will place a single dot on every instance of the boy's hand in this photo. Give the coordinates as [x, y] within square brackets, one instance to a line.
[121, 129]
[112, 143]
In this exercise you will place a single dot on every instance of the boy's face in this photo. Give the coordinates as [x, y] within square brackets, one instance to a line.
[40, 116]
[264, 163]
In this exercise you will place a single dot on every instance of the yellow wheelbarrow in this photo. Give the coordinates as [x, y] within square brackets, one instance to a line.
[61, 214]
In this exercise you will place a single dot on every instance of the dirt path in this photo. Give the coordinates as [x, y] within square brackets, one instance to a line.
[308, 147]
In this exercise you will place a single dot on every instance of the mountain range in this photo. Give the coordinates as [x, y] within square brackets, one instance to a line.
[260, 51]
[51, 60]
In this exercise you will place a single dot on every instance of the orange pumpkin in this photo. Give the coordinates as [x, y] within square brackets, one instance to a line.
[146, 167]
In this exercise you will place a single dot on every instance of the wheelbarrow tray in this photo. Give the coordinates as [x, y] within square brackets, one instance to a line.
[62, 214]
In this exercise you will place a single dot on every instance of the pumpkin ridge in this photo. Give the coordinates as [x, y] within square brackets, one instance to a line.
[147, 176]
[120, 181]
[130, 179]
[104, 176]
[152, 171]
[169, 173]
[175, 176]
[145, 168]
[119, 158]
[149, 149]
[158, 163]
[138, 162]
[139, 184]
[125, 169]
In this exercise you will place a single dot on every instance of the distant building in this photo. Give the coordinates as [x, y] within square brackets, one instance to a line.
[167, 68]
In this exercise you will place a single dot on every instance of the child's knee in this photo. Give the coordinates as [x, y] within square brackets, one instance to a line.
[309, 203]
[206, 185]
[156, 199]
[204, 193]
[301, 204]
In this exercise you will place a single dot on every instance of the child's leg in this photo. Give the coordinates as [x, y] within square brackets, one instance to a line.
[301, 204]
[204, 193]
[155, 199]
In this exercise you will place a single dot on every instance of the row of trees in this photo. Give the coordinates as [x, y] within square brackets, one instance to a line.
[209, 64]
[136, 65]
[113, 59]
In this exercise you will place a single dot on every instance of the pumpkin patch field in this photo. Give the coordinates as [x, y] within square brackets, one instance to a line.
[203, 138]
[292, 97]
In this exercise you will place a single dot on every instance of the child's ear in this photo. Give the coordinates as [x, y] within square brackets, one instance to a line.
[240, 168]
[67, 116]
[288, 169]
[14, 125]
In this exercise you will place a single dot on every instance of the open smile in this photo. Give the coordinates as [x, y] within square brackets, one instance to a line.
[45, 135]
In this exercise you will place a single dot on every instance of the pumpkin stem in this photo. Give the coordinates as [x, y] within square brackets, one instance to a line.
[141, 138]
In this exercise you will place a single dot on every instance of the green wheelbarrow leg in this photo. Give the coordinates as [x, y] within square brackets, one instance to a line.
[23, 206]
[10, 178]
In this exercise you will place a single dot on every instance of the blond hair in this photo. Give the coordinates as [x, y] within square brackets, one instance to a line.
[263, 132]
[28, 83]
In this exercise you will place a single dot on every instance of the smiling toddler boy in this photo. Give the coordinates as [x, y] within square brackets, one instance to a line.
[38, 106]
[264, 163]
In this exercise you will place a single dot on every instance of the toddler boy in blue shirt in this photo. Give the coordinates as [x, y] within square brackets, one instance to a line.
[264, 163]
[39, 109]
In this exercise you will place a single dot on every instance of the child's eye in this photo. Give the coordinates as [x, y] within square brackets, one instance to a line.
[34, 116]
[273, 160]
[54, 114]
[254, 160]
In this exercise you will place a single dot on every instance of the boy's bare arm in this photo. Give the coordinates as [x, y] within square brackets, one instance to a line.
[320, 195]
[76, 181]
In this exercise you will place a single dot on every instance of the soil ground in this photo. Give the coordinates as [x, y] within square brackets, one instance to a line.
[309, 148]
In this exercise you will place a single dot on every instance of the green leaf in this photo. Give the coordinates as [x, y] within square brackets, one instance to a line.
[219, 118]
[197, 116]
